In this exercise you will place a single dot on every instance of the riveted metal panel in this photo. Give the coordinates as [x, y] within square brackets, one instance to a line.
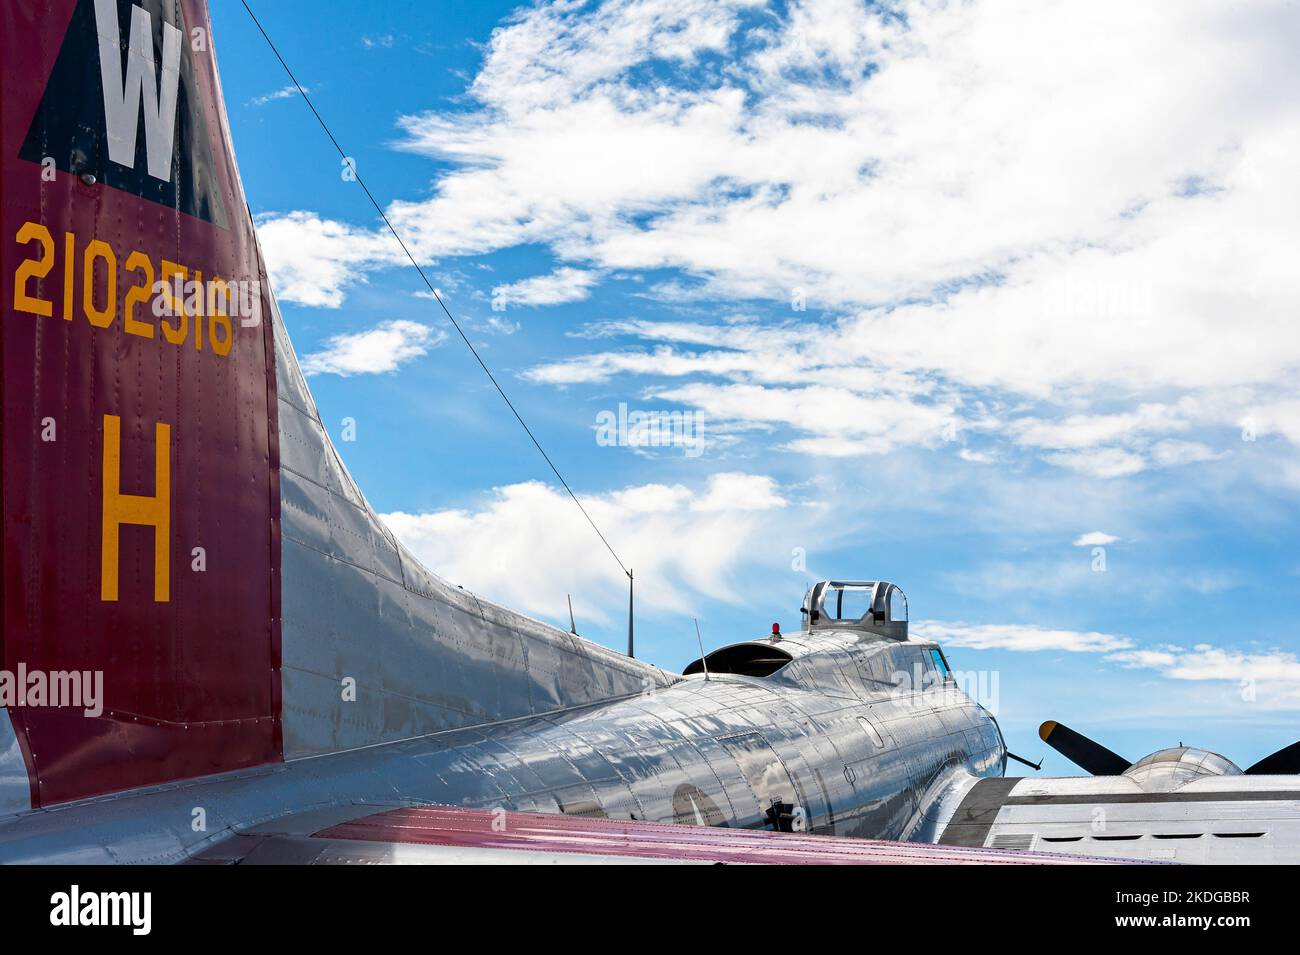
[188, 656]
[426, 656]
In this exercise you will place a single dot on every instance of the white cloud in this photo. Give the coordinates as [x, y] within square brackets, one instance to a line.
[1100, 462]
[1216, 663]
[549, 55]
[1173, 453]
[1144, 659]
[1088, 431]
[562, 285]
[312, 260]
[839, 422]
[1277, 417]
[383, 348]
[663, 361]
[1089, 227]
[283, 92]
[740, 492]
[683, 543]
[1018, 637]
[1095, 539]
[1269, 679]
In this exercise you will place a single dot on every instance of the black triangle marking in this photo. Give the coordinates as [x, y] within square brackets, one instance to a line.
[69, 125]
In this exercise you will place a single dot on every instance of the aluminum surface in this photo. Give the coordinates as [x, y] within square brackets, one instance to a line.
[1219, 820]
[423, 655]
[312, 668]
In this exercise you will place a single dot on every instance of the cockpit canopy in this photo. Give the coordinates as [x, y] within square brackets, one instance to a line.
[1168, 769]
[875, 605]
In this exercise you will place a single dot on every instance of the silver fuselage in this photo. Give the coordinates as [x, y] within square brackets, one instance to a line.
[717, 752]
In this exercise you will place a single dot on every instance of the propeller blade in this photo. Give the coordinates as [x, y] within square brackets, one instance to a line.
[1081, 751]
[1285, 762]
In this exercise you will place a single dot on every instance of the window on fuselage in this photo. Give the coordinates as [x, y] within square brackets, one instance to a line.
[872, 732]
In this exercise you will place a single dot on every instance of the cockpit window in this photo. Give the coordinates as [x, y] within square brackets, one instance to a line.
[877, 606]
[848, 603]
[940, 664]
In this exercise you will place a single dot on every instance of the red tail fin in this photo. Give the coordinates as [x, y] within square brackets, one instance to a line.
[140, 458]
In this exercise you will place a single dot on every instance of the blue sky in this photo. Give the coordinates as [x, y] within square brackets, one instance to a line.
[954, 295]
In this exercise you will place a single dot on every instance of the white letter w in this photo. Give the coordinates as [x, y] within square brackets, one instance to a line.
[122, 101]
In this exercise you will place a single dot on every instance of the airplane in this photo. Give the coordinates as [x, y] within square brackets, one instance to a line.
[1179, 804]
[282, 681]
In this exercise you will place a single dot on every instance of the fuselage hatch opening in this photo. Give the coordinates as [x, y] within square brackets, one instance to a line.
[876, 606]
[743, 659]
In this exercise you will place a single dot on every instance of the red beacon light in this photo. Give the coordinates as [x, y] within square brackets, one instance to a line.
[776, 632]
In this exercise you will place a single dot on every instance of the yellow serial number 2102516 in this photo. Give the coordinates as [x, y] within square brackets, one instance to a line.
[97, 257]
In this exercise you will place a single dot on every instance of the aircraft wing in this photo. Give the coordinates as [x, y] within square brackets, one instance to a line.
[441, 834]
[1214, 819]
